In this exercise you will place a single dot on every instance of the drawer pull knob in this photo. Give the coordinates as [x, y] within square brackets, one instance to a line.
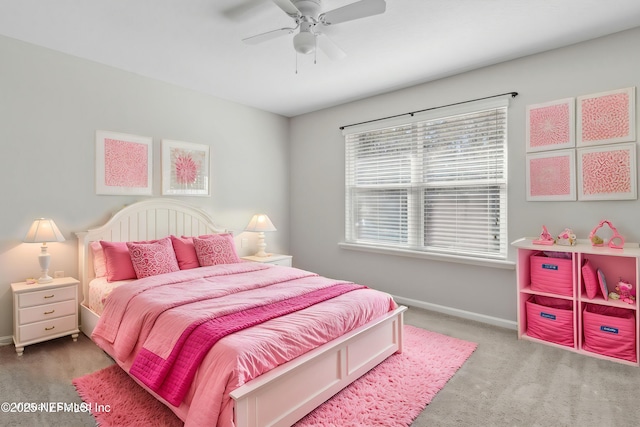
[49, 312]
[48, 329]
[49, 296]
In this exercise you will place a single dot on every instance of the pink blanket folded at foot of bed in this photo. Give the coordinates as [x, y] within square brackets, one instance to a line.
[171, 378]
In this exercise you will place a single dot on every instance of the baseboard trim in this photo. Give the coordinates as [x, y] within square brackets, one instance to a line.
[495, 321]
[6, 340]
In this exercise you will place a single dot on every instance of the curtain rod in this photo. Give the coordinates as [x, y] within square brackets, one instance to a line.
[513, 95]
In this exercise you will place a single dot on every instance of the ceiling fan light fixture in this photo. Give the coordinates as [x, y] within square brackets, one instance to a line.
[304, 42]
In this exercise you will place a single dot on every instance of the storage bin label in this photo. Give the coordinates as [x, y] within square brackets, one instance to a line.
[548, 315]
[549, 266]
[609, 329]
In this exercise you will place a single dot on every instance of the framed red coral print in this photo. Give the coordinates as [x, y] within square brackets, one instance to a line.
[551, 125]
[185, 168]
[607, 117]
[607, 172]
[124, 164]
[551, 176]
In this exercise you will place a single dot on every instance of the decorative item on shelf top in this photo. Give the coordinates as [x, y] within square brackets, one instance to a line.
[616, 241]
[566, 238]
[624, 292]
[545, 237]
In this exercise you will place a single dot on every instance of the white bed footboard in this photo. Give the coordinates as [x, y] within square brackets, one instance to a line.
[287, 393]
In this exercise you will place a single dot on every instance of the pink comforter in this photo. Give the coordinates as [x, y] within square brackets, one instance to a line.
[151, 314]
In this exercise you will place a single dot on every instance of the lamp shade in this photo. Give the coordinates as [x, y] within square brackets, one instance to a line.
[260, 222]
[43, 230]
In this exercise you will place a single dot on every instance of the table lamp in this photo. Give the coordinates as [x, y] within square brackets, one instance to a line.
[42, 231]
[260, 223]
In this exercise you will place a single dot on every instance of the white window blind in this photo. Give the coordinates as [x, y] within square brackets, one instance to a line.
[435, 182]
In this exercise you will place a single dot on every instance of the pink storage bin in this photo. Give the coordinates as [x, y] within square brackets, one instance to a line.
[553, 275]
[550, 319]
[610, 331]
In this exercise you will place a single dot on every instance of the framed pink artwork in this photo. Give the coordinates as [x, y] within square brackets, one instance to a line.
[124, 164]
[607, 172]
[185, 168]
[551, 125]
[607, 117]
[551, 175]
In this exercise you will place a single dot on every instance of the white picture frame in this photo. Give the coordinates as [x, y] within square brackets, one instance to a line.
[551, 175]
[185, 169]
[124, 164]
[607, 172]
[606, 117]
[551, 125]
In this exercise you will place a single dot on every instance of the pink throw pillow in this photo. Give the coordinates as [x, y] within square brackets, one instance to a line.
[153, 258]
[185, 252]
[216, 249]
[99, 263]
[212, 236]
[117, 261]
[591, 284]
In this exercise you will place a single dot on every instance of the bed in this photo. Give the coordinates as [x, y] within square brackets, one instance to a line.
[274, 390]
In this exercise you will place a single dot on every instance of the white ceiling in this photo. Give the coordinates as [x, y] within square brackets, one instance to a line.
[197, 43]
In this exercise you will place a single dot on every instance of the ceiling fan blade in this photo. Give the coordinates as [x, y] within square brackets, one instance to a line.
[242, 10]
[288, 7]
[357, 10]
[263, 37]
[332, 50]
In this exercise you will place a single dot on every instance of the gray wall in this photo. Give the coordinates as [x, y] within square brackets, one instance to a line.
[317, 177]
[51, 104]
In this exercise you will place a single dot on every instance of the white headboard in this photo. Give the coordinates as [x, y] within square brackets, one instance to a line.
[145, 220]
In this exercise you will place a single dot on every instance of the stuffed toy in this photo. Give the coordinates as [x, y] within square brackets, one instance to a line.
[624, 290]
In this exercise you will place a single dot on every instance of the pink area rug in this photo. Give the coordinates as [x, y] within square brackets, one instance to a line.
[390, 395]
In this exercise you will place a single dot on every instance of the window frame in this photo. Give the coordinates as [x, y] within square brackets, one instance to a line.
[416, 246]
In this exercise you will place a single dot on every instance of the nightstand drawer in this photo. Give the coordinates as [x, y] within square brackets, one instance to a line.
[46, 312]
[38, 330]
[47, 296]
[273, 259]
[285, 262]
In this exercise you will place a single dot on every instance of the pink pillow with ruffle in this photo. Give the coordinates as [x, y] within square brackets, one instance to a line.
[117, 261]
[216, 249]
[153, 258]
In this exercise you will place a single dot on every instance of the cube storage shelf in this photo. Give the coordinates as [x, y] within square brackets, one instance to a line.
[554, 308]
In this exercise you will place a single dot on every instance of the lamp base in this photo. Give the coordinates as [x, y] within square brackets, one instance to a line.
[45, 278]
[44, 259]
[261, 246]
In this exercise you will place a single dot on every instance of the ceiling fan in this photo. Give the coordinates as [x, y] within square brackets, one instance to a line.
[310, 22]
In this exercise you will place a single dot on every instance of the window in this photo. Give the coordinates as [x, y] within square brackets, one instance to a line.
[434, 182]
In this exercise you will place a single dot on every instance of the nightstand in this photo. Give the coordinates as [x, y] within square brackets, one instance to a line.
[44, 311]
[285, 260]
